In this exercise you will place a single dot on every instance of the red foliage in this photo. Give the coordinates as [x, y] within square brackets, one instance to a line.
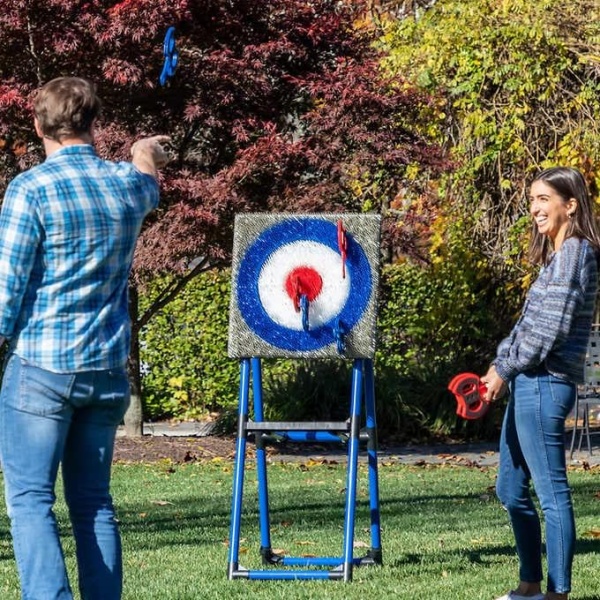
[277, 105]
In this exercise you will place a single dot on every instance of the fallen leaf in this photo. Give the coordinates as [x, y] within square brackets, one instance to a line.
[594, 533]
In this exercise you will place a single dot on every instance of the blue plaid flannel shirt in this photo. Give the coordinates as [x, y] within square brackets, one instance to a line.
[68, 229]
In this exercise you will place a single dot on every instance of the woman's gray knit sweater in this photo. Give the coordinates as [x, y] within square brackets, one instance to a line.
[554, 327]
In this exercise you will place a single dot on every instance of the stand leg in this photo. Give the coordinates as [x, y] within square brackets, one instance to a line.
[352, 473]
[238, 476]
[371, 422]
[261, 467]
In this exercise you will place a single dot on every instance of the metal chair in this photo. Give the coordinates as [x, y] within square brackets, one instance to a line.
[588, 394]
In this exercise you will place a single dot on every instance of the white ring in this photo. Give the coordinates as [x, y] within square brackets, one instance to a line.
[325, 261]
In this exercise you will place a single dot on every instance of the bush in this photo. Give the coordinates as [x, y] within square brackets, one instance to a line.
[433, 323]
[186, 373]
[436, 321]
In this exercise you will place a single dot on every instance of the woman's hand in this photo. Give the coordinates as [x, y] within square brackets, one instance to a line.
[496, 386]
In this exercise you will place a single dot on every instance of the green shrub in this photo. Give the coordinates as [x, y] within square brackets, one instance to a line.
[186, 372]
[312, 390]
[436, 321]
[433, 323]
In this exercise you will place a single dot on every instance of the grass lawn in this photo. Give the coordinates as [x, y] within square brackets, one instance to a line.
[445, 536]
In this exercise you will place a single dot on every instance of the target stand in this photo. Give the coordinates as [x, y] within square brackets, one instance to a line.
[305, 286]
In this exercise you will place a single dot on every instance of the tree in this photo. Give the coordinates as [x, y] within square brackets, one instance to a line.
[277, 105]
[521, 81]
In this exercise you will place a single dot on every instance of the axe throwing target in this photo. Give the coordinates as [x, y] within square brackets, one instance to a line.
[304, 285]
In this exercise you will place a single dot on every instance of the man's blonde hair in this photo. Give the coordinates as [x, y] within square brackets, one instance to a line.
[66, 107]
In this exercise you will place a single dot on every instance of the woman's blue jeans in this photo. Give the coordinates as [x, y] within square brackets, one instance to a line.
[532, 448]
[46, 420]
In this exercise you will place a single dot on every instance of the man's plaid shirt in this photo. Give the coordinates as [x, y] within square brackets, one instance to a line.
[68, 230]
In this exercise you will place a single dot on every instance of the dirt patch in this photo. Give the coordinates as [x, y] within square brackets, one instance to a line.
[175, 449]
[179, 449]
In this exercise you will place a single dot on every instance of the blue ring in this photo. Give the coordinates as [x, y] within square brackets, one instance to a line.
[289, 232]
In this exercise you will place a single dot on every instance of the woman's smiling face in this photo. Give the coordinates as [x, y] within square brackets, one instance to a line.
[550, 211]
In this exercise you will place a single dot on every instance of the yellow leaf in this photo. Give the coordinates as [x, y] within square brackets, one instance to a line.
[594, 533]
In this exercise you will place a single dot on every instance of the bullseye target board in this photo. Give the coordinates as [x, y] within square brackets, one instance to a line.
[304, 285]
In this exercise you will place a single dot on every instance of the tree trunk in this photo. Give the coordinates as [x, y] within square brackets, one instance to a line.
[134, 417]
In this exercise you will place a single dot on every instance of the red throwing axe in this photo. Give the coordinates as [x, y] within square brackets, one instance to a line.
[469, 391]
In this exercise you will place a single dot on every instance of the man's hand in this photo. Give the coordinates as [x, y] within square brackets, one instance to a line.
[148, 155]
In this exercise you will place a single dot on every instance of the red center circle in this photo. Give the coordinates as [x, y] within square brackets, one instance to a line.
[303, 281]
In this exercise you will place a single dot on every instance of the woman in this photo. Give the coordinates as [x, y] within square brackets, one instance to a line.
[540, 363]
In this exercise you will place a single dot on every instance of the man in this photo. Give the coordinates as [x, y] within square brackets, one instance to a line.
[68, 229]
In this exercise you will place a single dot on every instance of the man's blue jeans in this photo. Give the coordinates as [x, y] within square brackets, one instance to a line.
[46, 420]
[532, 448]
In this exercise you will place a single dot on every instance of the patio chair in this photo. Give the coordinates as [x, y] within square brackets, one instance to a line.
[588, 395]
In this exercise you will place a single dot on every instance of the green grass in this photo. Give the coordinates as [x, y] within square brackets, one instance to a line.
[445, 536]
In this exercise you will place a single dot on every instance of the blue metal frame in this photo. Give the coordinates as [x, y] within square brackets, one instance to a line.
[338, 567]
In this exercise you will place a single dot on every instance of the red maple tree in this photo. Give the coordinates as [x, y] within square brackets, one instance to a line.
[276, 105]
